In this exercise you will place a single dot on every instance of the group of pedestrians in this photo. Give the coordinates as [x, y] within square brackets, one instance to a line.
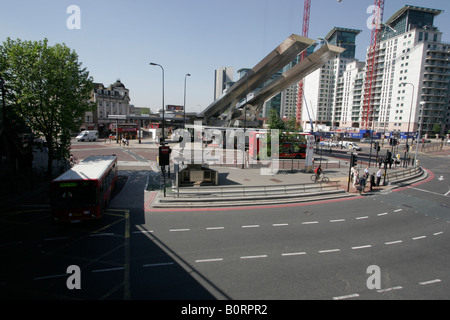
[361, 180]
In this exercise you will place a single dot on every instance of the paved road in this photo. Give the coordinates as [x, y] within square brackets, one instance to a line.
[307, 251]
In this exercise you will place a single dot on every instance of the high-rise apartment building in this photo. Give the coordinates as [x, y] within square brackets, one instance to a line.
[222, 76]
[412, 71]
[322, 87]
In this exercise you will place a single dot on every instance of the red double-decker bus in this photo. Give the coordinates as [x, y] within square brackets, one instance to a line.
[84, 191]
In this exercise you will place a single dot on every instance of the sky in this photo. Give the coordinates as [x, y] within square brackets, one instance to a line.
[118, 39]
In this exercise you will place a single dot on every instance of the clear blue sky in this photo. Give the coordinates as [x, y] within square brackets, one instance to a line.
[118, 39]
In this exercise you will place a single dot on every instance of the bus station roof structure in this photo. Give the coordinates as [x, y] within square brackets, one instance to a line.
[275, 61]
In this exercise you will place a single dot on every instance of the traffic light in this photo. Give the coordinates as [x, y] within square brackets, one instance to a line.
[354, 159]
[164, 155]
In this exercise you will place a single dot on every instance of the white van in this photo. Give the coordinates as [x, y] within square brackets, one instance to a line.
[349, 145]
[86, 135]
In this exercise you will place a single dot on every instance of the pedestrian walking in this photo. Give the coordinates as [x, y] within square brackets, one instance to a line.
[362, 184]
[378, 177]
[372, 181]
[366, 173]
[355, 178]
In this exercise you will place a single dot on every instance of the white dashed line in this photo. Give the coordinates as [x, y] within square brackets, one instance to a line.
[310, 222]
[364, 217]
[108, 269]
[280, 224]
[251, 226]
[179, 230]
[362, 247]
[330, 250]
[438, 233]
[157, 264]
[293, 254]
[209, 260]
[349, 296]
[389, 289]
[52, 239]
[215, 228]
[254, 257]
[398, 210]
[420, 237]
[382, 214]
[337, 220]
[394, 242]
[424, 283]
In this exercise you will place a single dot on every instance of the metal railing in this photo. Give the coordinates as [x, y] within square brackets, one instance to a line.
[233, 191]
[403, 174]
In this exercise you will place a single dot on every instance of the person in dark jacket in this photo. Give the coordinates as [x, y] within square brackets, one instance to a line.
[372, 181]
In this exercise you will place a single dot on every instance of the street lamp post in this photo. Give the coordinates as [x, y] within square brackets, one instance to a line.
[422, 103]
[184, 105]
[409, 122]
[162, 124]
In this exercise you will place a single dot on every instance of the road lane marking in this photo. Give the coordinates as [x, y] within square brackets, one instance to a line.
[438, 194]
[438, 233]
[382, 214]
[251, 226]
[419, 237]
[394, 242]
[349, 296]
[52, 239]
[362, 247]
[157, 264]
[337, 220]
[209, 260]
[389, 289]
[398, 210]
[255, 257]
[179, 230]
[280, 224]
[310, 222]
[50, 277]
[330, 250]
[101, 234]
[143, 231]
[364, 217]
[293, 253]
[424, 283]
[215, 228]
[108, 269]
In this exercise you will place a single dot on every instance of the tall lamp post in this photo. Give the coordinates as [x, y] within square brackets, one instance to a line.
[162, 125]
[409, 122]
[184, 104]
[422, 103]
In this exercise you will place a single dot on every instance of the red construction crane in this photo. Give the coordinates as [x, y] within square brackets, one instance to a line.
[305, 29]
[367, 114]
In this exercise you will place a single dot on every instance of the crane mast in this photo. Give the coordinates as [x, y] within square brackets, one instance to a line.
[371, 66]
[305, 30]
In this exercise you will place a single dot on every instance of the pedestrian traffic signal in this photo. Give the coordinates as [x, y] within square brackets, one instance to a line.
[354, 159]
[164, 155]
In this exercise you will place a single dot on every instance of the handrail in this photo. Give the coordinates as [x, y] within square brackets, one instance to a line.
[393, 176]
[249, 190]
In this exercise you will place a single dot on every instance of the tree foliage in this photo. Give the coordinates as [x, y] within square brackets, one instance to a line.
[47, 89]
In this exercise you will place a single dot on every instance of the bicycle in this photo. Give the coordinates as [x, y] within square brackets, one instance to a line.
[322, 178]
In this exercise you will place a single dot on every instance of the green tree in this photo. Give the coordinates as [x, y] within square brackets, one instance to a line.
[274, 121]
[437, 128]
[47, 89]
